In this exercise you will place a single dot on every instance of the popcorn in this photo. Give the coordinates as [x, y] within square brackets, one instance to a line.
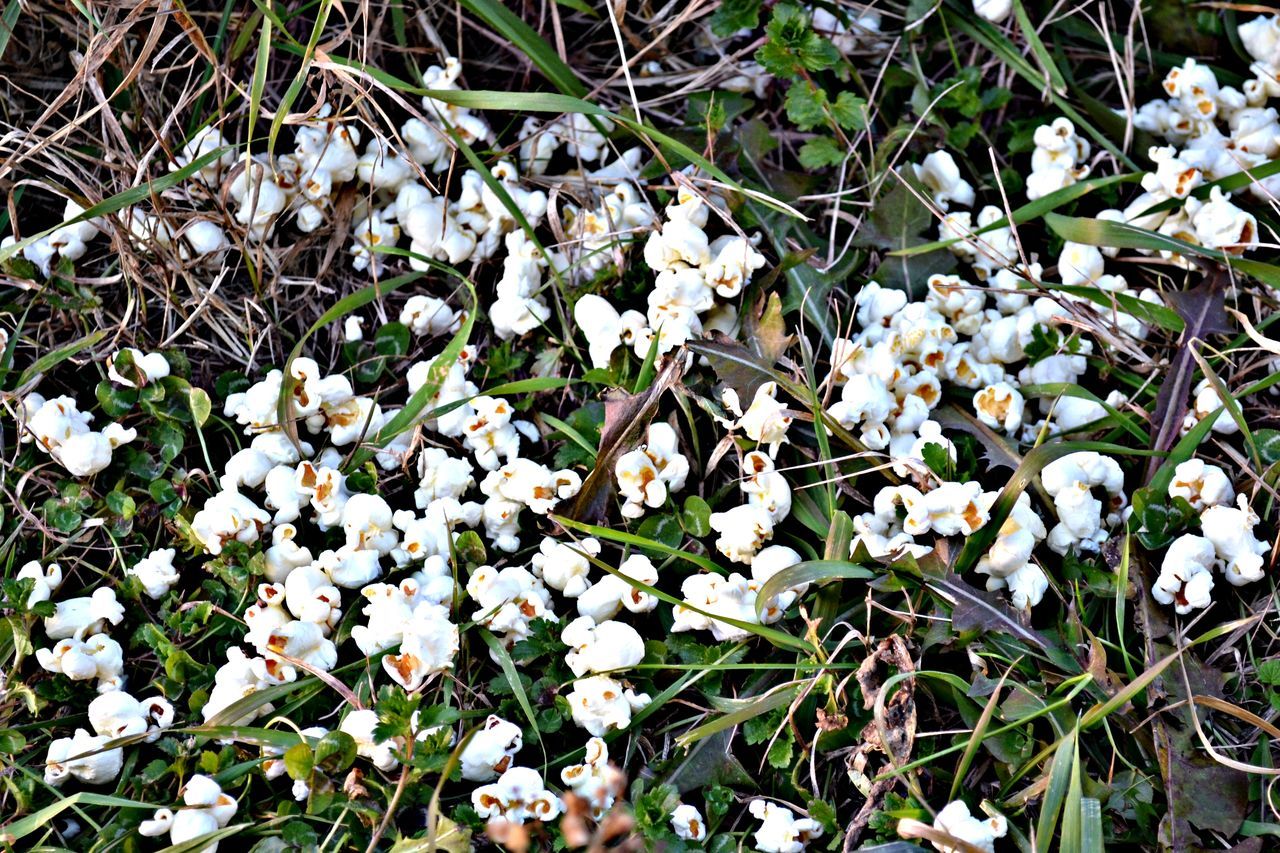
[563, 567]
[1000, 406]
[304, 643]
[1186, 574]
[59, 428]
[428, 645]
[427, 315]
[765, 487]
[1008, 563]
[1205, 400]
[649, 473]
[743, 531]
[490, 433]
[242, 676]
[941, 176]
[508, 600]
[994, 11]
[732, 597]
[490, 750]
[368, 234]
[781, 831]
[360, 725]
[156, 572]
[595, 780]
[98, 657]
[765, 420]
[602, 326]
[1230, 530]
[1059, 157]
[956, 821]
[602, 647]
[91, 614]
[516, 797]
[1201, 484]
[599, 704]
[687, 823]
[1070, 481]
[145, 370]
[117, 714]
[1219, 224]
[46, 581]
[71, 758]
[606, 597]
[1080, 264]
[228, 516]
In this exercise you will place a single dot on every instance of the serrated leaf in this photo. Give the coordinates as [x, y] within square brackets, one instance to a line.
[849, 111]
[805, 105]
[820, 153]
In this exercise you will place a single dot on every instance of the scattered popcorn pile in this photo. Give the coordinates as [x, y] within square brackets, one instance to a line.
[1226, 544]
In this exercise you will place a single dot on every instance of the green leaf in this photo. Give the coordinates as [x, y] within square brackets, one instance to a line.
[335, 752]
[200, 404]
[392, 340]
[120, 504]
[850, 111]
[1269, 672]
[733, 15]
[11, 741]
[806, 105]
[820, 152]
[299, 761]
[696, 516]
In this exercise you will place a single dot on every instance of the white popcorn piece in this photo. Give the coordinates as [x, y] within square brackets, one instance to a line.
[1186, 574]
[603, 647]
[605, 598]
[956, 821]
[941, 176]
[1000, 406]
[518, 796]
[46, 580]
[765, 420]
[427, 647]
[242, 676]
[765, 487]
[360, 725]
[1201, 484]
[595, 780]
[743, 531]
[285, 554]
[206, 141]
[563, 566]
[600, 704]
[117, 714]
[69, 758]
[228, 516]
[994, 11]
[1230, 529]
[156, 572]
[649, 473]
[98, 657]
[687, 823]
[76, 617]
[781, 831]
[491, 750]
[1008, 563]
[508, 600]
[1083, 519]
[146, 369]
[601, 324]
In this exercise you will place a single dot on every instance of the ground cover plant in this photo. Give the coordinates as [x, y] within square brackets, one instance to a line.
[733, 425]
